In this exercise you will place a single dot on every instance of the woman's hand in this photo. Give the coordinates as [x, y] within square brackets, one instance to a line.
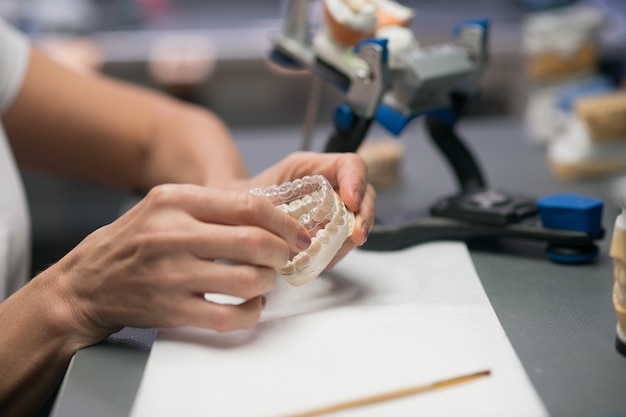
[152, 267]
[347, 173]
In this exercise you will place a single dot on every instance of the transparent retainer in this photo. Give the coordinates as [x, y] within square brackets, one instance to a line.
[312, 200]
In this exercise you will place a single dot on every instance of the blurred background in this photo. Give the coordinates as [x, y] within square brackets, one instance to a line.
[125, 39]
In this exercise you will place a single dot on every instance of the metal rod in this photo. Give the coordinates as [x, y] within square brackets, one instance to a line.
[312, 110]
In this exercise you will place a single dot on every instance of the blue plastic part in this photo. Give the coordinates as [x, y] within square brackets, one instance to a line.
[571, 212]
[446, 114]
[395, 121]
[571, 259]
[382, 42]
[392, 120]
[570, 93]
[344, 117]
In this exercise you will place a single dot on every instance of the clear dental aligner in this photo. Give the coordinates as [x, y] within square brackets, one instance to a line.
[319, 208]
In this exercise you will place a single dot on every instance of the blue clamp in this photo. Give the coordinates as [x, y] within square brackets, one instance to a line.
[571, 212]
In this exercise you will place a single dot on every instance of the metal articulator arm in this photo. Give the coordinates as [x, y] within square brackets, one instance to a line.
[352, 120]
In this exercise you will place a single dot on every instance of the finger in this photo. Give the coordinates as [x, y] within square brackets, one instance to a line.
[232, 208]
[364, 219]
[222, 317]
[351, 177]
[345, 171]
[242, 244]
[244, 281]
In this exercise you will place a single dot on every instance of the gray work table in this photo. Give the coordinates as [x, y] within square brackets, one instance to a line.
[559, 319]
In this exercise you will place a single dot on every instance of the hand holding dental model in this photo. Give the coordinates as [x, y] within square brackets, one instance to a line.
[197, 230]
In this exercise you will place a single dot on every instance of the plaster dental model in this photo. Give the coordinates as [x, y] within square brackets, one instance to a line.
[618, 253]
[560, 48]
[319, 208]
[593, 143]
[347, 22]
[351, 21]
[383, 158]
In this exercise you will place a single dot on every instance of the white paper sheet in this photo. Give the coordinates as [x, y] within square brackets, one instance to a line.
[379, 321]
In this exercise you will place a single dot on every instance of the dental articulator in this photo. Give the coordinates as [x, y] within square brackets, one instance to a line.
[366, 49]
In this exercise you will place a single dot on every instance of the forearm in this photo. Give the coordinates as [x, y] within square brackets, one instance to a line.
[35, 348]
[194, 146]
[99, 129]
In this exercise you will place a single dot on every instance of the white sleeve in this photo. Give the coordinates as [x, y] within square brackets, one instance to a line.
[14, 52]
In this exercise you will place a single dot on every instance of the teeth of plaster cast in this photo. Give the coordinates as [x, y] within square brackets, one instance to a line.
[338, 219]
[328, 202]
[314, 203]
[319, 215]
[308, 201]
[315, 247]
[323, 236]
[301, 260]
[288, 269]
[294, 206]
[331, 228]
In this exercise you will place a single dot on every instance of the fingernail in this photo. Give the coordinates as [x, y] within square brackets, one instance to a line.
[263, 301]
[303, 241]
[366, 231]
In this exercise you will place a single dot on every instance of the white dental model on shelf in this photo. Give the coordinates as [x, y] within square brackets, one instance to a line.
[592, 143]
[319, 208]
[561, 50]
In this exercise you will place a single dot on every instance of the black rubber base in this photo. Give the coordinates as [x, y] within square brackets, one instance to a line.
[620, 346]
[572, 254]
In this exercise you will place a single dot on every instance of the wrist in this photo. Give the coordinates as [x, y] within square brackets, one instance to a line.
[35, 320]
[37, 342]
[65, 316]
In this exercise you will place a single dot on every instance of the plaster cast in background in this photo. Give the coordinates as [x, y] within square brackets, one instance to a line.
[593, 141]
[561, 48]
